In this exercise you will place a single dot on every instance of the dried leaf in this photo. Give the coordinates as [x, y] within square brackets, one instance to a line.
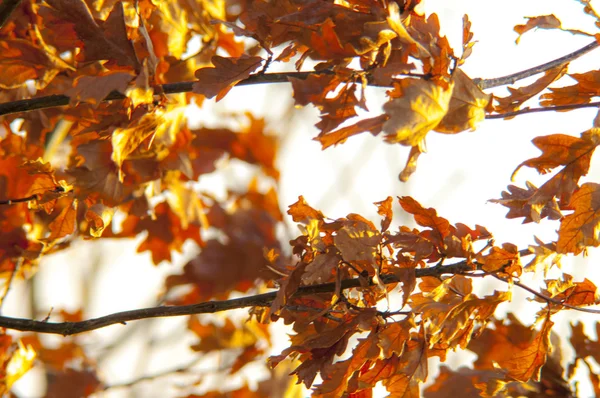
[418, 108]
[467, 105]
[226, 73]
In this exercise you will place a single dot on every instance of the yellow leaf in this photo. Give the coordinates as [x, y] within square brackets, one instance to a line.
[467, 105]
[19, 364]
[421, 106]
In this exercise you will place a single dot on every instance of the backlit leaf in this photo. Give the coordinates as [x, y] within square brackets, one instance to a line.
[418, 108]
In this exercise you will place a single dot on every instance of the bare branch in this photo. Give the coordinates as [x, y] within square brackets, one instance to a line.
[260, 300]
[511, 79]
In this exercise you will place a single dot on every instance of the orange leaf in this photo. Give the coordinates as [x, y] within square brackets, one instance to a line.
[302, 212]
[64, 223]
[384, 208]
[372, 125]
[579, 230]
[519, 95]
[543, 22]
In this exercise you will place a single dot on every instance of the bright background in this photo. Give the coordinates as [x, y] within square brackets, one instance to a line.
[457, 177]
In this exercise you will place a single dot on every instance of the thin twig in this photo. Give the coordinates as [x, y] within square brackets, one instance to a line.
[511, 79]
[546, 298]
[259, 300]
[555, 108]
[7, 7]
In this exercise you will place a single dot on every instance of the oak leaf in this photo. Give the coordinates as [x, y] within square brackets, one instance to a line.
[226, 73]
[561, 150]
[94, 89]
[519, 95]
[587, 87]
[98, 174]
[165, 233]
[519, 350]
[357, 241]
[544, 22]
[504, 259]
[452, 310]
[21, 60]
[524, 203]
[64, 223]
[580, 229]
[109, 42]
[372, 125]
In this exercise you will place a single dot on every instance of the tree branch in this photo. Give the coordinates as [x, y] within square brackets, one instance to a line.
[556, 108]
[259, 300]
[7, 7]
[511, 79]
[52, 101]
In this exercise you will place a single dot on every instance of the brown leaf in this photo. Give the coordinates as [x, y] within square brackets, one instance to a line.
[109, 42]
[64, 223]
[543, 22]
[522, 203]
[98, 173]
[561, 150]
[519, 95]
[94, 89]
[226, 73]
[21, 60]
[505, 259]
[465, 382]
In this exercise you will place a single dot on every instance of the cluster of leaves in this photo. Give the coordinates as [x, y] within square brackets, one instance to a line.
[65, 172]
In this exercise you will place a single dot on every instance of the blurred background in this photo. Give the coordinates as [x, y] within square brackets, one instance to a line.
[457, 176]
